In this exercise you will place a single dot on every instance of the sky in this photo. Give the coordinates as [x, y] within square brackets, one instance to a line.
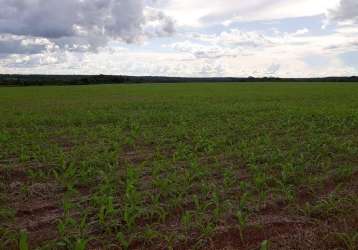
[215, 38]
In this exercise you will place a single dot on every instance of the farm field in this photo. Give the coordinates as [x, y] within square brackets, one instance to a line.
[181, 166]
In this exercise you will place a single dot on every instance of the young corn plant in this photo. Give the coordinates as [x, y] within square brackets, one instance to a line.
[229, 178]
[242, 219]
[23, 240]
[186, 221]
[9, 238]
[107, 210]
[244, 201]
[156, 212]
[200, 206]
[261, 187]
[123, 240]
[215, 201]
[349, 240]
[287, 190]
[289, 174]
[67, 177]
[72, 232]
[265, 245]
[132, 198]
[80, 244]
[150, 235]
[207, 229]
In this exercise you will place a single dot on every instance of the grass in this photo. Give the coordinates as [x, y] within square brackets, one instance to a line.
[198, 166]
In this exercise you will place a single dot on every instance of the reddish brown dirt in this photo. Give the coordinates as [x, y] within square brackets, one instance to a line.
[36, 206]
[39, 218]
[40, 211]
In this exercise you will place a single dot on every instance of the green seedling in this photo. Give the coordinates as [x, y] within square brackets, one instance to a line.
[123, 240]
[349, 240]
[186, 221]
[132, 198]
[80, 244]
[23, 241]
[242, 219]
[265, 245]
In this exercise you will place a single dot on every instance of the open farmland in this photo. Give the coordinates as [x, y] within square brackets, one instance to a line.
[182, 166]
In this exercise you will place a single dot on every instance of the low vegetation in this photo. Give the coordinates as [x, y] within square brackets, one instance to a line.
[190, 166]
[48, 80]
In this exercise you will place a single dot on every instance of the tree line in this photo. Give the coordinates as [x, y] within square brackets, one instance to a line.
[38, 80]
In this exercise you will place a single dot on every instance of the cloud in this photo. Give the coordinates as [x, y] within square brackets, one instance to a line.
[33, 60]
[213, 38]
[346, 12]
[273, 69]
[12, 44]
[203, 12]
[157, 23]
[236, 38]
[210, 70]
[199, 51]
[301, 32]
[83, 24]
[275, 53]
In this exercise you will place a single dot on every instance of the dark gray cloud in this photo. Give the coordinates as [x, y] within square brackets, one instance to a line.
[347, 11]
[41, 18]
[158, 24]
[81, 24]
